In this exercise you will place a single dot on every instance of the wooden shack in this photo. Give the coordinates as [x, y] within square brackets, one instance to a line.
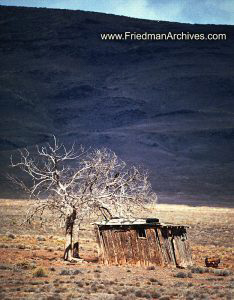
[142, 242]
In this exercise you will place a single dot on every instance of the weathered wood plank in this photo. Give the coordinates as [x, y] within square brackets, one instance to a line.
[101, 251]
[169, 246]
[119, 249]
[141, 255]
[146, 245]
[122, 241]
[181, 247]
[123, 258]
[111, 250]
[166, 244]
[105, 247]
[114, 245]
[129, 254]
[125, 245]
[188, 251]
[151, 246]
[178, 252]
[136, 250]
[154, 247]
[108, 247]
[143, 247]
[162, 246]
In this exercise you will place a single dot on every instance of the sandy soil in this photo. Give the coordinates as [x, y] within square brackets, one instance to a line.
[31, 266]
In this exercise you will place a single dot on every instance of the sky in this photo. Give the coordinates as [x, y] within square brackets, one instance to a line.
[184, 11]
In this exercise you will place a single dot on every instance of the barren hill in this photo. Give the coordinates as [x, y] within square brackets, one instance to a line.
[167, 105]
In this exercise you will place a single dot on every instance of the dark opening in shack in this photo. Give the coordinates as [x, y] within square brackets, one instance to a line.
[141, 233]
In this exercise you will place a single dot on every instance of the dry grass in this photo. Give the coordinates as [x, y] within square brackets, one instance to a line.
[30, 253]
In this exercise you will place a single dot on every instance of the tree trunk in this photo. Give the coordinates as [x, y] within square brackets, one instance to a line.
[76, 245]
[69, 235]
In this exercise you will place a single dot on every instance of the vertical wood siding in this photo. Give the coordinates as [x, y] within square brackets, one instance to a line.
[161, 246]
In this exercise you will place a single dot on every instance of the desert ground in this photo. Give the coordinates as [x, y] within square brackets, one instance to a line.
[32, 267]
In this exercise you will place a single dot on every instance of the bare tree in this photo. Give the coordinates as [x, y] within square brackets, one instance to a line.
[98, 183]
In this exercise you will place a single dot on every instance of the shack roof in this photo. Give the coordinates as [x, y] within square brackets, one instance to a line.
[134, 222]
[130, 221]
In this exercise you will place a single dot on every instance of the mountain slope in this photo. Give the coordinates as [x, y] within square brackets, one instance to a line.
[167, 105]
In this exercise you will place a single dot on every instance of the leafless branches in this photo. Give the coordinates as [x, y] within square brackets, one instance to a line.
[98, 182]
[113, 187]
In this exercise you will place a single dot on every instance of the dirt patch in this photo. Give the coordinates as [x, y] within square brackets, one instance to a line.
[31, 264]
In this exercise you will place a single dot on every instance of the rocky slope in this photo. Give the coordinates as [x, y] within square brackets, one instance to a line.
[167, 105]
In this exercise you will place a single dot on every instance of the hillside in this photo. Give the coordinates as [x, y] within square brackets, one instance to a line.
[167, 105]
